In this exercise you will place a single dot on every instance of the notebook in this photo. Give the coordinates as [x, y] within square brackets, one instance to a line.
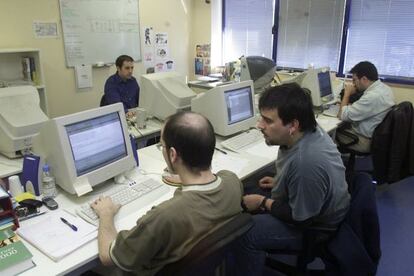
[55, 238]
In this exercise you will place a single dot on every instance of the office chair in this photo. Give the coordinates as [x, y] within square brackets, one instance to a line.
[345, 148]
[208, 255]
[353, 249]
[392, 146]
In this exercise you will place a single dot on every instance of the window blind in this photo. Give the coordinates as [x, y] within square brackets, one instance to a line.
[247, 28]
[309, 33]
[380, 31]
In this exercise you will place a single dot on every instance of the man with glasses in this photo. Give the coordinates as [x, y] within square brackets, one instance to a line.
[203, 202]
[366, 113]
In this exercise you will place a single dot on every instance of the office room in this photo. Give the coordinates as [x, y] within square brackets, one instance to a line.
[225, 30]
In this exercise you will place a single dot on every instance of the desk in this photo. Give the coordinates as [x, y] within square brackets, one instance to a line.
[329, 124]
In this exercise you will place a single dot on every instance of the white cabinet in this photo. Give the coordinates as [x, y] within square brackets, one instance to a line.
[13, 72]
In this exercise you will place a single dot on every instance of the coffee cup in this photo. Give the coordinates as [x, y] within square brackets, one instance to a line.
[15, 187]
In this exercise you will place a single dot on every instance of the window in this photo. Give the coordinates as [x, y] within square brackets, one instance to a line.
[247, 28]
[381, 31]
[311, 33]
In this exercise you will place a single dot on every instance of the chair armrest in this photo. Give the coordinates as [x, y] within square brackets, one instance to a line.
[354, 138]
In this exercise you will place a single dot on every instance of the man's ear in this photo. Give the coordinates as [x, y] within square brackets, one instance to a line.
[173, 155]
[294, 127]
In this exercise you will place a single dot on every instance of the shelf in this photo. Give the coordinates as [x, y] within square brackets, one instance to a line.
[11, 70]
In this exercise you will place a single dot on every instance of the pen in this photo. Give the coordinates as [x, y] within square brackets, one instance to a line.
[220, 150]
[74, 228]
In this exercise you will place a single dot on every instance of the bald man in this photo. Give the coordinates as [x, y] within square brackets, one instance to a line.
[204, 202]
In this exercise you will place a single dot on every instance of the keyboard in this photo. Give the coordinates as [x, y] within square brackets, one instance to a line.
[121, 194]
[332, 111]
[242, 140]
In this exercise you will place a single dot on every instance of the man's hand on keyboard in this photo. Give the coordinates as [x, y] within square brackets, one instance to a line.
[104, 207]
[266, 182]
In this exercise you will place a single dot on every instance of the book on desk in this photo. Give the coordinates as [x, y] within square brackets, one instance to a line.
[14, 256]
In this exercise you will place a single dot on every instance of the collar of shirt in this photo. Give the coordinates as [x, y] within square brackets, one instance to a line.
[118, 79]
[373, 85]
[202, 187]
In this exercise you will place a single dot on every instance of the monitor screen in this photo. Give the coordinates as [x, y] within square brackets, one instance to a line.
[87, 148]
[229, 107]
[239, 104]
[96, 142]
[324, 84]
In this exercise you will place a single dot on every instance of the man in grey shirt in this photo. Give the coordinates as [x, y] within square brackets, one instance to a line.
[368, 112]
[309, 187]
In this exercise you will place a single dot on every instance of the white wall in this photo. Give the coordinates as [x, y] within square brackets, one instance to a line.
[17, 16]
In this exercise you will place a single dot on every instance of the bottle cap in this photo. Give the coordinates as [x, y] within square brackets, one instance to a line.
[45, 167]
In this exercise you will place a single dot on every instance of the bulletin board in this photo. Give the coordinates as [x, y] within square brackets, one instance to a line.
[98, 31]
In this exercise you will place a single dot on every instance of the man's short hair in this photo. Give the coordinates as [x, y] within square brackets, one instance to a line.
[194, 142]
[120, 60]
[367, 69]
[292, 102]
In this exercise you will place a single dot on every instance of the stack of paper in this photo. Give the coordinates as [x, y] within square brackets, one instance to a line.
[55, 238]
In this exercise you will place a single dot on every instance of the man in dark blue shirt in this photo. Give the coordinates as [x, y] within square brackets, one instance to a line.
[122, 86]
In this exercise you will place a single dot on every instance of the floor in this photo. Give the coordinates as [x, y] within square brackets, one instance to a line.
[395, 204]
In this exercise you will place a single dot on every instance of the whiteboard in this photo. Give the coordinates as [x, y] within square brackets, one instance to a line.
[98, 31]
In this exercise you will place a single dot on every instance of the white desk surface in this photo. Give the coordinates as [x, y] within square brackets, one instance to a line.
[253, 158]
[328, 123]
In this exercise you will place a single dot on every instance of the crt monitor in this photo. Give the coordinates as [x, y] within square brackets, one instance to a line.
[230, 108]
[259, 69]
[86, 148]
[163, 94]
[20, 119]
[318, 81]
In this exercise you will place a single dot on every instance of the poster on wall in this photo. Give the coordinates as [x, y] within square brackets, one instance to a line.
[202, 59]
[148, 49]
[162, 53]
[45, 29]
[156, 52]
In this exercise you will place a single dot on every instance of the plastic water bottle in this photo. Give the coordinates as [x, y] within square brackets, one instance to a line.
[48, 183]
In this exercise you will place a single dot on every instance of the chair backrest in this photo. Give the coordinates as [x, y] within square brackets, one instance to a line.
[210, 251]
[391, 148]
[103, 102]
[356, 246]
